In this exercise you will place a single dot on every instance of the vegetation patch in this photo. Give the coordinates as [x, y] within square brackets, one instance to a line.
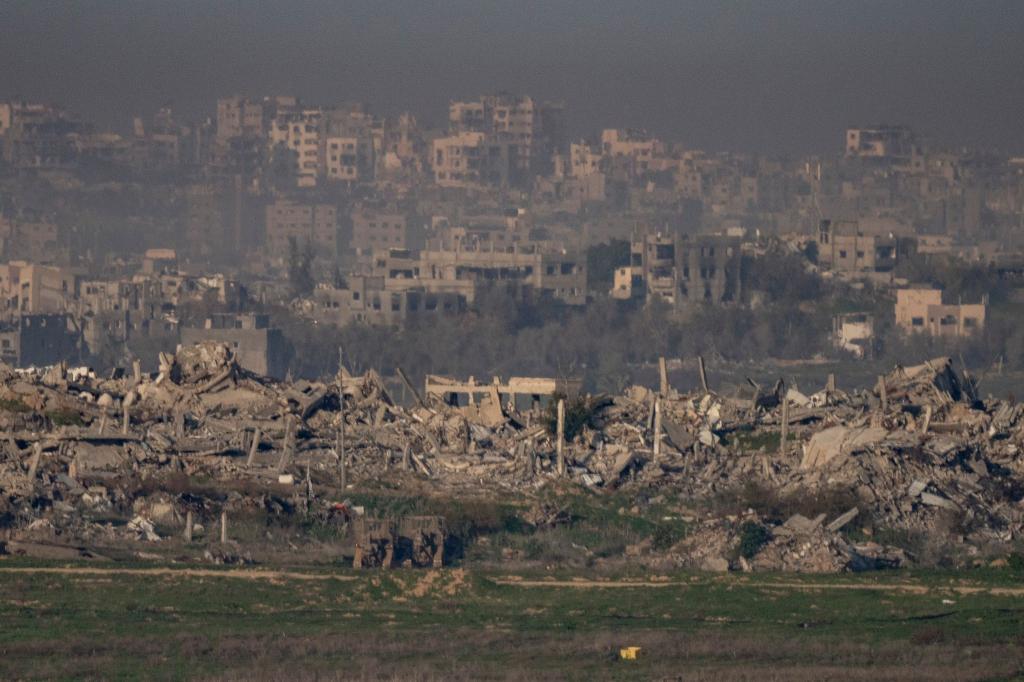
[578, 412]
[753, 536]
[65, 417]
[13, 405]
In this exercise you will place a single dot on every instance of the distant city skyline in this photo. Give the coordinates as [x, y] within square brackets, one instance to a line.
[779, 77]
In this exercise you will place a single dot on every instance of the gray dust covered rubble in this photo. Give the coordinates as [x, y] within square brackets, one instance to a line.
[921, 455]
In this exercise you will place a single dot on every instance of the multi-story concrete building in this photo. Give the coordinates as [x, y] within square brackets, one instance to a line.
[845, 248]
[162, 143]
[340, 144]
[380, 229]
[29, 288]
[296, 135]
[39, 135]
[246, 117]
[38, 340]
[305, 223]
[584, 161]
[404, 148]
[359, 137]
[635, 143]
[880, 142]
[242, 129]
[342, 159]
[470, 160]
[368, 300]
[239, 116]
[117, 311]
[682, 270]
[466, 265]
[921, 311]
[528, 132]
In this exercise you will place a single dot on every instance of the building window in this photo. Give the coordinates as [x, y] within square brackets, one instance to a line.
[917, 321]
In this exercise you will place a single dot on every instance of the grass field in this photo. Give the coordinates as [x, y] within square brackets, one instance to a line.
[109, 621]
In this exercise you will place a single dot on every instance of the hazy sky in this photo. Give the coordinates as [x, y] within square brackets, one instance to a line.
[766, 75]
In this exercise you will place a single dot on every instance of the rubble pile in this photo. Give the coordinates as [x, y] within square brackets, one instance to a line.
[920, 452]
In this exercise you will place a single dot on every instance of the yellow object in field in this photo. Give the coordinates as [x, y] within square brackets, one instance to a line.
[629, 653]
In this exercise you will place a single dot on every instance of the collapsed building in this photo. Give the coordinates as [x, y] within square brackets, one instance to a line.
[920, 452]
[681, 270]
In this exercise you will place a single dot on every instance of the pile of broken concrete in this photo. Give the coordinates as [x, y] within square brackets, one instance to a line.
[921, 451]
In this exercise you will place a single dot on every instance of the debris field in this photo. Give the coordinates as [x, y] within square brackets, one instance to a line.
[921, 452]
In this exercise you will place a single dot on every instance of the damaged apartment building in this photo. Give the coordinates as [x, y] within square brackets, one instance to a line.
[681, 270]
[38, 339]
[499, 140]
[391, 286]
[861, 249]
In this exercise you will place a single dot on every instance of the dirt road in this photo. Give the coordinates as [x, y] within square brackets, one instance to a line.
[875, 587]
[233, 573]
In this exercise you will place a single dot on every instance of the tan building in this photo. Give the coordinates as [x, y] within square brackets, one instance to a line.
[468, 160]
[32, 288]
[921, 311]
[631, 143]
[298, 134]
[6, 115]
[161, 143]
[341, 159]
[583, 161]
[880, 142]
[628, 283]
[559, 274]
[239, 116]
[368, 300]
[39, 135]
[158, 261]
[464, 267]
[404, 148]
[306, 223]
[118, 311]
[681, 270]
[844, 247]
[529, 131]
[373, 229]
[928, 244]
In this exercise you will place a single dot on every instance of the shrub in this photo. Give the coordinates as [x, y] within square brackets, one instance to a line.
[772, 505]
[578, 411]
[65, 417]
[667, 534]
[753, 536]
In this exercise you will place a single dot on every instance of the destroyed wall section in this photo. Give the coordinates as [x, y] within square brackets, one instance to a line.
[263, 350]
